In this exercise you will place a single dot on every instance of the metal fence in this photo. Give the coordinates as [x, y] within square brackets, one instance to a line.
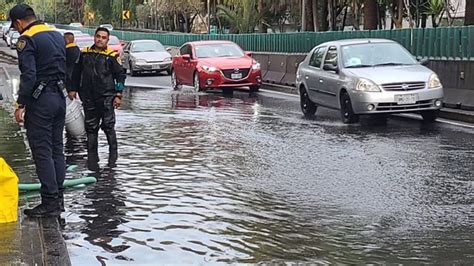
[434, 43]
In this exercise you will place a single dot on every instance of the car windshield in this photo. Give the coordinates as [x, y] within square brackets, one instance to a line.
[113, 40]
[218, 50]
[375, 54]
[141, 47]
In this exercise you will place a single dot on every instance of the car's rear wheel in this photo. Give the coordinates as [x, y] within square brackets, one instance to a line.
[174, 81]
[197, 83]
[347, 113]
[429, 115]
[308, 107]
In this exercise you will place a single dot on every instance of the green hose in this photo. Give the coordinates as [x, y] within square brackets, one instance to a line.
[67, 183]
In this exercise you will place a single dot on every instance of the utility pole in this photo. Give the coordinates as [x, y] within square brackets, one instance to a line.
[121, 18]
[303, 15]
[156, 14]
[208, 16]
[54, 11]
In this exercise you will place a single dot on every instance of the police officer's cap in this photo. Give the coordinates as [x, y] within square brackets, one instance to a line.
[21, 11]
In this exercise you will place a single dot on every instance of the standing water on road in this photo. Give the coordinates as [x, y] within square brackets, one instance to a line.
[209, 178]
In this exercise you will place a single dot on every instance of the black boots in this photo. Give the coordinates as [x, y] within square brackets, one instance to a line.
[49, 207]
[113, 147]
[92, 153]
[61, 202]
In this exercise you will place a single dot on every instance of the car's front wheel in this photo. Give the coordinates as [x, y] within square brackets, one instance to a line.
[308, 107]
[429, 115]
[347, 113]
[197, 83]
[174, 81]
[132, 72]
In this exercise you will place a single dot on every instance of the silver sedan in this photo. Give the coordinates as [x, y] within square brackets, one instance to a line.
[146, 55]
[367, 77]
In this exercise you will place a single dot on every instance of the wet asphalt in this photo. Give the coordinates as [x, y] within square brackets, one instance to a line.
[241, 178]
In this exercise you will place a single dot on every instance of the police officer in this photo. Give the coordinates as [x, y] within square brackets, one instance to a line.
[42, 62]
[72, 54]
[99, 79]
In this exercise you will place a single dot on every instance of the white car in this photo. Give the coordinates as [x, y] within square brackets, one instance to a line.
[107, 26]
[5, 30]
[9, 37]
[146, 55]
[76, 24]
[14, 39]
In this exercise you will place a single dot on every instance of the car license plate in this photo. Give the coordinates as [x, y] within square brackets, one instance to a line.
[155, 66]
[406, 98]
[236, 75]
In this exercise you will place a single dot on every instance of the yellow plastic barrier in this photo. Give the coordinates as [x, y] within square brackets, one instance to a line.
[8, 193]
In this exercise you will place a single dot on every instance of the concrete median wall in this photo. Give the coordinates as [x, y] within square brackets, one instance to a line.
[458, 80]
[457, 76]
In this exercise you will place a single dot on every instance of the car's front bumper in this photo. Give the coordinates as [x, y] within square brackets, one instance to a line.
[218, 80]
[155, 66]
[386, 101]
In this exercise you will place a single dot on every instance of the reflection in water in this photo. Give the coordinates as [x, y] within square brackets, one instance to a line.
[211, 178]
[104, 212]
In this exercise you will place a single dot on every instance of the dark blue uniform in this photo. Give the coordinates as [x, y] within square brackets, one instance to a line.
[42, 60]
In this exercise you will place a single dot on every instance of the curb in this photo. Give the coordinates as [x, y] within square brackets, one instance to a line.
[458, 115]
[462, 115]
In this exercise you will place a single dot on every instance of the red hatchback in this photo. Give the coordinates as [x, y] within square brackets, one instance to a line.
[215, 64]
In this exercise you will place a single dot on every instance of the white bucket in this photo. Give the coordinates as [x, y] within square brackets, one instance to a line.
[74, 118]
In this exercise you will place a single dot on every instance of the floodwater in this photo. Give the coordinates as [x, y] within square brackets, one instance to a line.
[208, 178]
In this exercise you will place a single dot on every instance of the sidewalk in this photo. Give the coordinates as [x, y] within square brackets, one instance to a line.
[28, 241]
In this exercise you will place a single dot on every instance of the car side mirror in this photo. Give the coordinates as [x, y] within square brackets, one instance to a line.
[330, 67]
[425, 62]
[186, 57]
[249, 54]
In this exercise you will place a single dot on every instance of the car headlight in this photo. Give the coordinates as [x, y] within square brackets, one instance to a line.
[140, 61]
[367, 85]
[209, 68]
[434, 82]
[167, 59]
[256, 66]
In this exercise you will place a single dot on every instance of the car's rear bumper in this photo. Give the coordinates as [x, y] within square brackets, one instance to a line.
[218, 80]
[385, 102]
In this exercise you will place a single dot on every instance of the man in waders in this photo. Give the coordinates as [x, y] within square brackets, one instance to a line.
[99, 79]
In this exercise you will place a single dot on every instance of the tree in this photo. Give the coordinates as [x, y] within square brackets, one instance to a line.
[370, 14]
[469, 15]
[243, 18]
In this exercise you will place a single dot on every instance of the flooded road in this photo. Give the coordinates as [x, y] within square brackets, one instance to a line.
[210, 178]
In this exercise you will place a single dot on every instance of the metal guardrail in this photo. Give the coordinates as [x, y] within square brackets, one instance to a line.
[433, 43]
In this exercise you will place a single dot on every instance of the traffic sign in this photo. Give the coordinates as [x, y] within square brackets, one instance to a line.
[3, 16]
[126, 14]
[90, 15]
